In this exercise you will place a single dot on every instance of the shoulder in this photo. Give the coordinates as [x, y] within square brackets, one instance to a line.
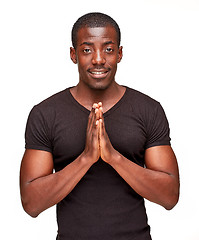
[51, 107]
[140, 100]
[55, 102]
[144, 108]
[55, 99]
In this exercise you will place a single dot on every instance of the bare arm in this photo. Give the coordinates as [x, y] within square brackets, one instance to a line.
[40, 187]
[158, 182]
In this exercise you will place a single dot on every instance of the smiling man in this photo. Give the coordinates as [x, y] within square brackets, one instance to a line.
[109, 146]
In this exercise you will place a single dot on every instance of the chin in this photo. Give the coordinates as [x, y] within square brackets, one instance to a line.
[100, 85]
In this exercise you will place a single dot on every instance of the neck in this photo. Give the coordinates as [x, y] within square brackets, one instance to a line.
[87, 96]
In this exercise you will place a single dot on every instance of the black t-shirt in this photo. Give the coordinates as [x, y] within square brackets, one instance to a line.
[102, 205]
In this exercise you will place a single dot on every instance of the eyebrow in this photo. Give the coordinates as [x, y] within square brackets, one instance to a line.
[109, 42]
[90, 43]
[86, 43]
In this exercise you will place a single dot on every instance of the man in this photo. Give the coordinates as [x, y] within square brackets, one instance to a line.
[109, 146]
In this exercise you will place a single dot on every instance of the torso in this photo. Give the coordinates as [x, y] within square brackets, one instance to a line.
[114, 207]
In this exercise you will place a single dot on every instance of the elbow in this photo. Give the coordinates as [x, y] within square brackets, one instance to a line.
[30, 210]
[32, 214]
[29, 202]
[172, 197]
[171, 202]
[170, 206]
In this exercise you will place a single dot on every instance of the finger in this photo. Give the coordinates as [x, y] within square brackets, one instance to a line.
[99, 104]
[100, 113]
[100, 128]
[103, 130]
[95, 108]
[95, 119]
[95, 105]
[97, 113]
[95, 132]
[91, 119]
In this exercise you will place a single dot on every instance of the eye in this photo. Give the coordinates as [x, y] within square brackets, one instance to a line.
[87, 50]
[109, 49]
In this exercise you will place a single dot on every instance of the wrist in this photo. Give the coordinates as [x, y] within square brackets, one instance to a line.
[86, 158]
[115, 158]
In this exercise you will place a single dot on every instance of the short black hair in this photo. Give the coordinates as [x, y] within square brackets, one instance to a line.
[92, 20]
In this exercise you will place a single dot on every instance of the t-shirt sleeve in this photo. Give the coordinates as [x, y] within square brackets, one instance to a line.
[158, 132]
[37, 131]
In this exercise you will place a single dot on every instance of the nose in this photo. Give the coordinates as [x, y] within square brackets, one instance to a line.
[98, 58]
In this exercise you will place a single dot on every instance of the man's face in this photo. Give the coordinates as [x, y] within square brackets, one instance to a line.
[97, 55]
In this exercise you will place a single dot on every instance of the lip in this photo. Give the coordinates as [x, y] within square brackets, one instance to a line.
[99, 73]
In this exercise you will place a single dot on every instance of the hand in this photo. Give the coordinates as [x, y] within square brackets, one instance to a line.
[92, 147]
[106, 149]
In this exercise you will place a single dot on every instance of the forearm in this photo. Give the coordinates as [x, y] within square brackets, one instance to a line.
[44, 192]
[159, 187]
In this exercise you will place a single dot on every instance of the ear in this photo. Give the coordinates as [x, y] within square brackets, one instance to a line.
[73, 55]
[120, 54]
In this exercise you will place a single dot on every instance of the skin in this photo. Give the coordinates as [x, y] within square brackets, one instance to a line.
[97, 56]
[97, 51]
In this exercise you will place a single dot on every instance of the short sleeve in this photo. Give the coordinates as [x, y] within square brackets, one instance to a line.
[37, 132]
[158, 132]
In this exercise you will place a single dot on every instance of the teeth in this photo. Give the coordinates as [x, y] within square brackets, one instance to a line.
[97, 73]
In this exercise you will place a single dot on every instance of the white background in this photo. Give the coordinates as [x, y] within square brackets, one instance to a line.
[161, 59]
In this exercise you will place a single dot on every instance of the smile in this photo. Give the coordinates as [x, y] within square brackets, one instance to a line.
[98, 74]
